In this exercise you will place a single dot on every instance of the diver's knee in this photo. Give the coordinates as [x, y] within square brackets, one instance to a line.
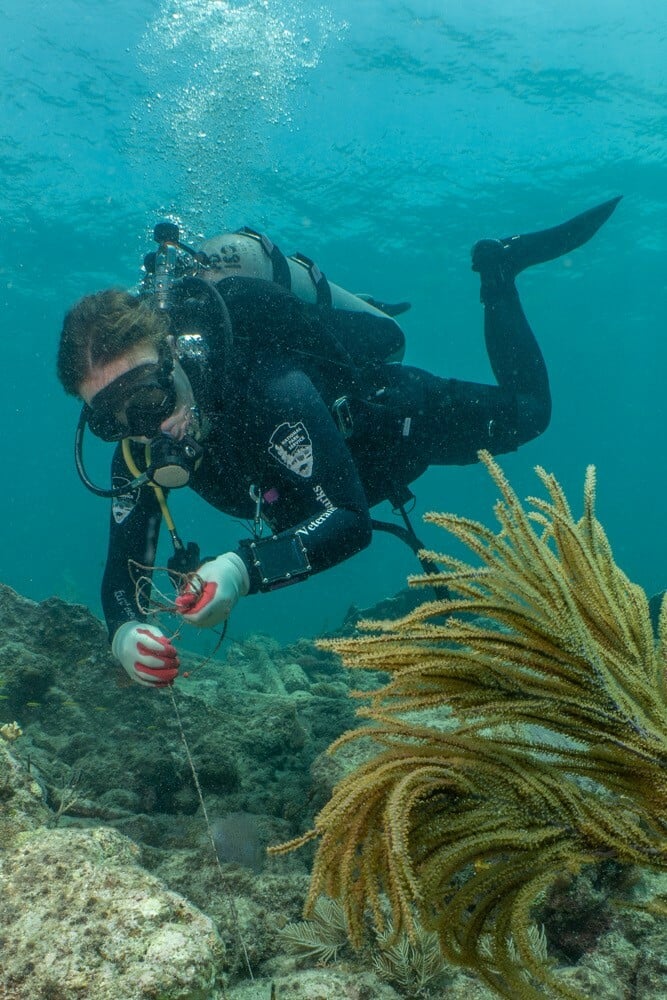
[534, 415]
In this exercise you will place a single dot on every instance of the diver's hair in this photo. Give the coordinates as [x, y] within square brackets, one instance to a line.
[100, 328]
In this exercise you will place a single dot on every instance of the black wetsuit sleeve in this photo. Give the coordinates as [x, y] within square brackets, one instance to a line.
[134, 527]
[311, 487]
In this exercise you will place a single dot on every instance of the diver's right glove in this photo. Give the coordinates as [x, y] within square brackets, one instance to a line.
[147, 656]
[209, 599]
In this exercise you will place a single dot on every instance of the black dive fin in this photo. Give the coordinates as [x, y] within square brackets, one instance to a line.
[536, 248]
[388, 308]
[499, 261]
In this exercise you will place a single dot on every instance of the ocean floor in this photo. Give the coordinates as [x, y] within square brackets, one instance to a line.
[114, 887]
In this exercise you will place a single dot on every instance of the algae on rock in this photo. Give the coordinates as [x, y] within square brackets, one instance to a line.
[79, 918]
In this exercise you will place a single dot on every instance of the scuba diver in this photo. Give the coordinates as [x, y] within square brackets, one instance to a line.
[281, 399]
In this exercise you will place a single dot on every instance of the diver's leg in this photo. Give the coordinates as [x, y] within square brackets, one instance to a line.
[426, 419]
[438, 421]
[516, 360]
[514, 353]
[444, 421]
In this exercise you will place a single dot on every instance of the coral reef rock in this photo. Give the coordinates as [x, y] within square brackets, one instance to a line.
[79, 918]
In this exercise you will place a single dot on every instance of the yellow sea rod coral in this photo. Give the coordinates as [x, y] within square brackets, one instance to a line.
[556, 756]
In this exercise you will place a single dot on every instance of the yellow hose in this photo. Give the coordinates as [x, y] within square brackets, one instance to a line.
[159, 493]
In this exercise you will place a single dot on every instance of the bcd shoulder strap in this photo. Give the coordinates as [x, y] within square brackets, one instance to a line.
[281, 271]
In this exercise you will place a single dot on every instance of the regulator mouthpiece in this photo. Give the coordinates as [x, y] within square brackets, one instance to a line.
[173, 462]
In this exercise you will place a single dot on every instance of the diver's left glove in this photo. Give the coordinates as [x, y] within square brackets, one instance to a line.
[147, 656]
[217, 586]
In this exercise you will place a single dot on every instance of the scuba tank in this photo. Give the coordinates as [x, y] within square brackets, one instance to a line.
[363, 327]
[368, 332]
[353, 333]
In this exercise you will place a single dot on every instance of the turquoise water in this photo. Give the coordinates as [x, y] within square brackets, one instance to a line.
[381, 138]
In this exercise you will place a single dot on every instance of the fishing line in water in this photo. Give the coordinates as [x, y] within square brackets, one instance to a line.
[143, 579]
[195, 778]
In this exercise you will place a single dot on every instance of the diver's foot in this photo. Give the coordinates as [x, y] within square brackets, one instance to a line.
[499, 261]
[490, 258]
[490, 255]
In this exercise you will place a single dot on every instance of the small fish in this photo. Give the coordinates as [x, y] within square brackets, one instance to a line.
[33, 704]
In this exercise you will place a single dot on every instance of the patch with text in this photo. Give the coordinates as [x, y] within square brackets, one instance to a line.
[291, 445]
[123, 505]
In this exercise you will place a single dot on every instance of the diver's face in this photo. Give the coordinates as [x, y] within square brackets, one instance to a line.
[179, 418]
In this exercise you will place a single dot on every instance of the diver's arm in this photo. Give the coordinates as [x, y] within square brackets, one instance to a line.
[312, 496]
[314, 500]
[147, 656]
[133, 534]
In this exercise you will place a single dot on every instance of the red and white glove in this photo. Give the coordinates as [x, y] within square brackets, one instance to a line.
[209, 599]
[147, 656]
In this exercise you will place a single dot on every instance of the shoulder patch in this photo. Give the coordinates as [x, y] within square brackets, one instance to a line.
[290, 444]
[123, 505]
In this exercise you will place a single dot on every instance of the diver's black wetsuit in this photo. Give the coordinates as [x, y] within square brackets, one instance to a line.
[271, 430]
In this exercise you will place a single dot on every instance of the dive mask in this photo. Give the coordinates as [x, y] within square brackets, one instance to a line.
[136, 403]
